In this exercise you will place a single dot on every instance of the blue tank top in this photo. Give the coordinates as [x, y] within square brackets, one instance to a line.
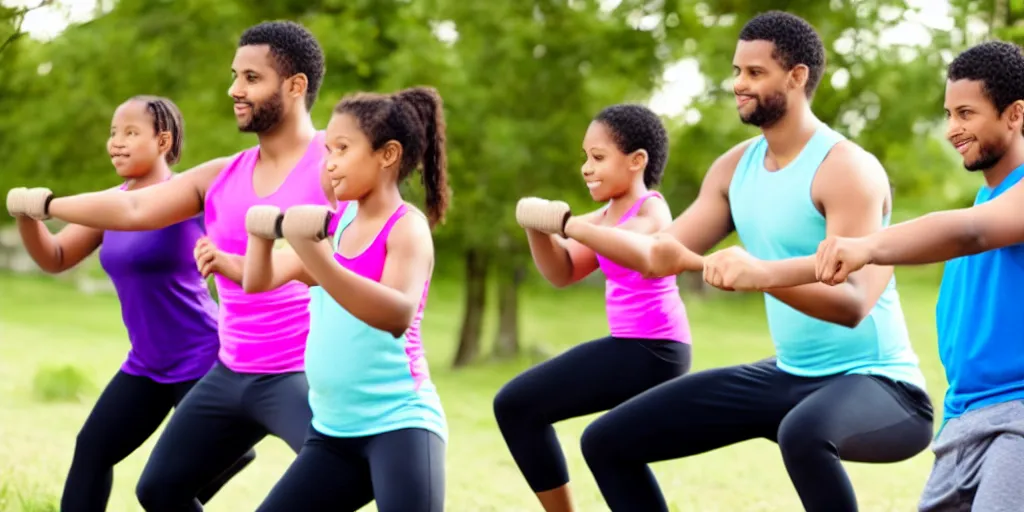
[979, 322]
[776, 219]
[364, 381]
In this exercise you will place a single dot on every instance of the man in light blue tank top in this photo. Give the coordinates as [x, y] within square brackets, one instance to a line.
[845, 384]
[979, 452]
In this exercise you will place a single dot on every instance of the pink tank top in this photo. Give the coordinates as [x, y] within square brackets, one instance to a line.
[638, 307]
[370, 264]
[261, 332]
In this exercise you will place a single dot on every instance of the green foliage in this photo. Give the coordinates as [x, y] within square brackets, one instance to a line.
[14, 499]
[60, 384]
[520, 80]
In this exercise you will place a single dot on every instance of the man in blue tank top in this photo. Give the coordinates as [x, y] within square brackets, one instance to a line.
[979, 452]
[845, 384]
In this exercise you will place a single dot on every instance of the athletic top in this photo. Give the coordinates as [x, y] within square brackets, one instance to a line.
[364, 381]
[261, 332]
[165, 303]
[776, 219]
[979, 321]
[638, 307]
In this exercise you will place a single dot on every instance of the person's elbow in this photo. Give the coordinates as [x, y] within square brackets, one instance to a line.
[402, 320]
[51, 267]
[852, 314]
[559, 278]
[253, 284]
[853, 308]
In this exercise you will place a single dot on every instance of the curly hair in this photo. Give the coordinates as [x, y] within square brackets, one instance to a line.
[294, 49]
[636, 127]
[998, 65]
[796, 42]
[414, 118]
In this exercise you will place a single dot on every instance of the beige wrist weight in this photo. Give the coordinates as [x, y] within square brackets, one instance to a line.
[29, 202]
[306, 221]
[264, 221]
[543, 215]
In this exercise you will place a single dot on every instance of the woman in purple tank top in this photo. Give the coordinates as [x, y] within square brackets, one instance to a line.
[626, 148]
[166, 306]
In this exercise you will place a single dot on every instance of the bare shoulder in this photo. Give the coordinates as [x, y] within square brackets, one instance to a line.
[415, 209]
[202, 175]
[849, 156]
[851, 176]
[656, 208]
[411, 231]
[850, 165]
[722, 169]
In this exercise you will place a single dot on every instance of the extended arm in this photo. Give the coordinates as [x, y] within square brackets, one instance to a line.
[944, 235]
[705, 223]
[144, 209]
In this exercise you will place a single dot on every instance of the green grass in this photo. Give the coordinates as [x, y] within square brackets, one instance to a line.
[44, 324]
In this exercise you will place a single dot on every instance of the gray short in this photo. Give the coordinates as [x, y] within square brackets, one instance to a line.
[979, 462]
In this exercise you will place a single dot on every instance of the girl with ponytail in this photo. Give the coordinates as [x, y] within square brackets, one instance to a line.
[379, 432]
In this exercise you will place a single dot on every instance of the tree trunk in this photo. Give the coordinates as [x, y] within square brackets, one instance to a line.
[1000, 14]
[473, 314]
[506, 344]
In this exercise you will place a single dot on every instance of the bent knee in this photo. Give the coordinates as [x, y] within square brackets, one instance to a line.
[510, 402]
[150, 492]
[799, 435]
[600, 439]
[158, 489]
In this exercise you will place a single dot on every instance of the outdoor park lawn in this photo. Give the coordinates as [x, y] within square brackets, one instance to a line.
[45, 324]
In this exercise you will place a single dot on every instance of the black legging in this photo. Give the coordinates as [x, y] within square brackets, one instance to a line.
[401, 471]
[588, 378]
[128, 411]
[224, 415]
[816, 422]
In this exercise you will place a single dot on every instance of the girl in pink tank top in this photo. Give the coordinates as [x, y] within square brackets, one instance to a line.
[378, 431]
[649, 342]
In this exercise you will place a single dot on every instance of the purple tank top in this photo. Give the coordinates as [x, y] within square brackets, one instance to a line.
[167, 309]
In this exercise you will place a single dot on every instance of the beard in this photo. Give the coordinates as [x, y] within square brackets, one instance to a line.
[767, 111]
[988, 156]
[265, 115]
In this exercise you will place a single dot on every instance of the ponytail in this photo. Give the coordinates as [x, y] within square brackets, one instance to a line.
[429, 109]
[415, 119]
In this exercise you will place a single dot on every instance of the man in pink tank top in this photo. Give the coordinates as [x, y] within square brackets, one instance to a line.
[258, 386]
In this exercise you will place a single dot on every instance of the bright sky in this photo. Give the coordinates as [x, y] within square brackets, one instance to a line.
[682, 80]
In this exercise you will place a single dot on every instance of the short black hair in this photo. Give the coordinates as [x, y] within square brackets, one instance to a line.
[636, 127]
[295, 51]
[998, 65]
[796, 42]
[166, 118]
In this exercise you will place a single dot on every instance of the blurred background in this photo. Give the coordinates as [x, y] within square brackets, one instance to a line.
[520, 80]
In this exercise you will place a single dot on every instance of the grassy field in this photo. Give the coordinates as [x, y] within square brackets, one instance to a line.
[45, 324]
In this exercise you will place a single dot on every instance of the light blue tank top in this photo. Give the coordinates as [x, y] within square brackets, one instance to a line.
[364, 381]
[776, 219]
